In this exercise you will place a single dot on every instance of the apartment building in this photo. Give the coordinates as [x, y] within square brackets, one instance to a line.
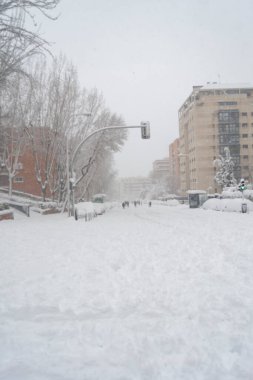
[213, 117]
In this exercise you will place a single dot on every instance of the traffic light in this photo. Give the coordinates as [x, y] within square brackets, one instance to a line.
[242, 185]
[145, 130]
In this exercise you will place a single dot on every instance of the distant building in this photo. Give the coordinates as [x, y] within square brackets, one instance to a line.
[161, 167]
[213, 117]
[133, 188]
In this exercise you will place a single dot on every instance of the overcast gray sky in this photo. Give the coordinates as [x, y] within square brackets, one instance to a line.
[145, 56]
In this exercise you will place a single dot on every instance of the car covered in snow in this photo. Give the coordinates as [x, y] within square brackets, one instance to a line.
[99, 208]
[85, 210]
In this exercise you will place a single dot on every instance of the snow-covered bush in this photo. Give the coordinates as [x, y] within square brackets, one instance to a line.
[46, 208]
[233, 192]
[47, 205]
[4, 206]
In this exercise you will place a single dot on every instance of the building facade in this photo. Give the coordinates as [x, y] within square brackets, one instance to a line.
[23, 159]
[174, 168]
[161, 167]
[213, 117]
[134, 188]
[24, 180]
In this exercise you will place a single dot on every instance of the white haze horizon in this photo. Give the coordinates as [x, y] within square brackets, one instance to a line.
[145, 56]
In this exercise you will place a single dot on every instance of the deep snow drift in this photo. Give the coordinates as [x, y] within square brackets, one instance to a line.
[142, 293]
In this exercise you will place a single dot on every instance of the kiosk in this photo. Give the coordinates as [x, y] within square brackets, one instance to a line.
[196, 198]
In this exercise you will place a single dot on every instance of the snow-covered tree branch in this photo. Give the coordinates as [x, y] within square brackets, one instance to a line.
[18, 43]
[225, 170]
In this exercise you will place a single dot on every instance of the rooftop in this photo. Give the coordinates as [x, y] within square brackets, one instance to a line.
[225, 86]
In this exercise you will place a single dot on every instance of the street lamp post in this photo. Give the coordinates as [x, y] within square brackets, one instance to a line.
[69, 168]
[145, 134]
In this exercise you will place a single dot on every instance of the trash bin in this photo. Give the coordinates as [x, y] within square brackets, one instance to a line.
[244, 208]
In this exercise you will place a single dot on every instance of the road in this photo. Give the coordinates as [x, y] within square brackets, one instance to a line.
[141, 293]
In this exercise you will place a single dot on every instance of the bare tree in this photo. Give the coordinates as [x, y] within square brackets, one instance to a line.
[11, 129]
[52, 109]
[103, 180]
[97, 152]
[17, 43]
[53, 94]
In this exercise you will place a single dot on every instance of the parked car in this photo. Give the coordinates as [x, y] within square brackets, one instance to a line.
[85, 210]
[99, 208]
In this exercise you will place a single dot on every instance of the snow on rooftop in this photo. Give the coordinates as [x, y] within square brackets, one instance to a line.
[223, 86]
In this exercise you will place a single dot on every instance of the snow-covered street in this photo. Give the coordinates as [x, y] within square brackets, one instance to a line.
[159, 293]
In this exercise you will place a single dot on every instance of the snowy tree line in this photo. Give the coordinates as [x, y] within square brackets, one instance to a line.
[43, 106]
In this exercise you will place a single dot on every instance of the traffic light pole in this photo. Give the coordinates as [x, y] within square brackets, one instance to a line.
[242, 187]
[143, 125]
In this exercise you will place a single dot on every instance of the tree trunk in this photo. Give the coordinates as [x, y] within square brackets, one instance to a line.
[44, 190]
[10, 185]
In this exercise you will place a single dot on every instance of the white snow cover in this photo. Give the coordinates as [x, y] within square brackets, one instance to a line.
[169, 202]
[4, 212]
[145, 293]
[229, 204]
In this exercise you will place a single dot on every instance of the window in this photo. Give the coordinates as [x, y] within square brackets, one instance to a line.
[246, 157]
[19, 166]
[245, 135]
[244, 125]
[236, 160]
[235, 91]
[245, 146]
[18, 179]
[227, 103]
[244, 113]
[229, 128]
[229, 139]
[228, 116]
